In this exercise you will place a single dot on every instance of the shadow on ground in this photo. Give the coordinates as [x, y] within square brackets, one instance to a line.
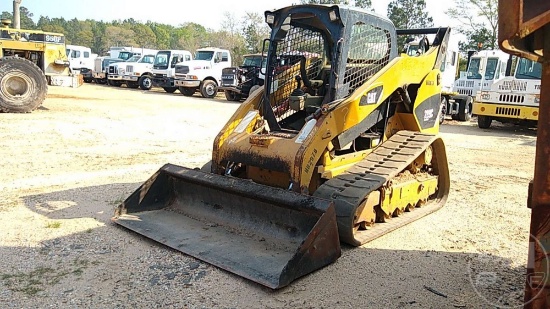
[112, 267]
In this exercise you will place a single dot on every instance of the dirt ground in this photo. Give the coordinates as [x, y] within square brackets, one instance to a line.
[67, 165]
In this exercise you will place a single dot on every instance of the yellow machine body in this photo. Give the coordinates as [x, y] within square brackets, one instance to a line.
[341, 139]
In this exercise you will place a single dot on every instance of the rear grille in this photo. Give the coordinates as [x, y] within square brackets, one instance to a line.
[183, 69]
[511, 98]
[508, 111]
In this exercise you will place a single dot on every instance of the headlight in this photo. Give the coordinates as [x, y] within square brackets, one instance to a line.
[192, 77]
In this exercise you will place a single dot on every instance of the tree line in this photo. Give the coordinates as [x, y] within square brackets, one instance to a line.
[240, 35]
[245, 34]
[478, 18]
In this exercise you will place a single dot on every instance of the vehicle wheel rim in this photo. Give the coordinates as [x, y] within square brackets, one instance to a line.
[443, 112]
[16, 85]
[147, 82]
[210, 90]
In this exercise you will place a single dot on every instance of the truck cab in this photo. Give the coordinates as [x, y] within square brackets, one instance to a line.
[514, 99]
[204, 73]
[165, 65]
[81, 60]
[127, 52]
[101, 65]
[139, 74]
[484, 68]
[117, 70]
[238, 82]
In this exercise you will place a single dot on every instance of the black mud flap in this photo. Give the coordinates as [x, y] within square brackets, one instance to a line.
[268, 235]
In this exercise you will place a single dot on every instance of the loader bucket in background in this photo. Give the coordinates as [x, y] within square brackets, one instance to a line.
[268, 235]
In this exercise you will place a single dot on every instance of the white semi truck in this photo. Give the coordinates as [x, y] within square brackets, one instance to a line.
[204, 73]
[164, 68]
[139, 74]
[514, 99]
[101, 66]
[117, 70]
[484, 69]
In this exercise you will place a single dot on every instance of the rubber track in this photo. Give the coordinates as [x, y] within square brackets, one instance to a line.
[348, 190]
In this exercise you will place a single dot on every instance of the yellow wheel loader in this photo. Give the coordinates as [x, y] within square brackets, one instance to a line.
[340, 145]
[29, 59]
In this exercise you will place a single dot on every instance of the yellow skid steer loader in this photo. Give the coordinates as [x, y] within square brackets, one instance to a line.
[339, 145]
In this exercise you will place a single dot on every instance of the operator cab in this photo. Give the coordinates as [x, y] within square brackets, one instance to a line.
[308, 66]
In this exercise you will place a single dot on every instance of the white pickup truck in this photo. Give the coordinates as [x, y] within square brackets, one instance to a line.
[204, 73]
[140, 73]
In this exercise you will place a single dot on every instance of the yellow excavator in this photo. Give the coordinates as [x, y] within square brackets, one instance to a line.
[340, 145]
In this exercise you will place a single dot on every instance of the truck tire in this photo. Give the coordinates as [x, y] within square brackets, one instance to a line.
[186, 91]
[209, 89]
[145, 82]
[231, 96]
[465, 109]
[443, 109]
[484, 122]
[170, 89]
[132, 85]
[23, 85]
[114, 83]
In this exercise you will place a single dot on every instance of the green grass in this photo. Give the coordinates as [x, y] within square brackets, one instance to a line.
[53, 225]
[41, 277]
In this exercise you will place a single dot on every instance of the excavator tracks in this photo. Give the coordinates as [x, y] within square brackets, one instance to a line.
[366, 185]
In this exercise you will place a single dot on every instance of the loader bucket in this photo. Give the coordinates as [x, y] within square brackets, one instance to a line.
[268, 235]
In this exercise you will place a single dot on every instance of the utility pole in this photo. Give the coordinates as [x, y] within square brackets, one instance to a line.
[16, 14]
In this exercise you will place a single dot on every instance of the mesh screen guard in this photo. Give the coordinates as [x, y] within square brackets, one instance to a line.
[366, 51]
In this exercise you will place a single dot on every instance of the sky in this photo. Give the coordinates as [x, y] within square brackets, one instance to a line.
[176, 12]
